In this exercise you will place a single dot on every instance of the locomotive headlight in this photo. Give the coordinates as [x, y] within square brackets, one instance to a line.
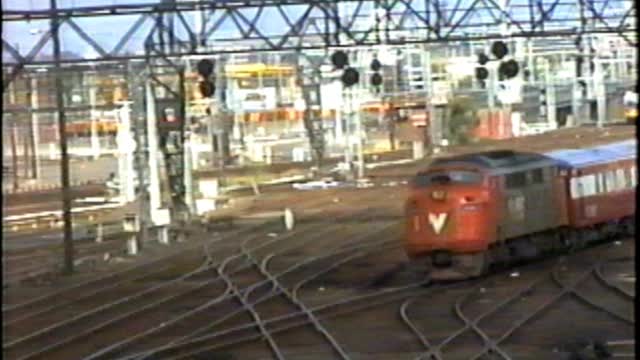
[439, 195]
[470, 207]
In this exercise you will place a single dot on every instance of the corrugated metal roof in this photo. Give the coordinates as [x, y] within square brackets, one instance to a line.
[596, 155]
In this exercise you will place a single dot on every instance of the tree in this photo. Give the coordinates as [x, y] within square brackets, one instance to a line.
[462, 120]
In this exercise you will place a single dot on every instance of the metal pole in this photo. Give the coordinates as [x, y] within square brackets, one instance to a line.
[188, 169]
[347, 131]
[34, 129]
[95, 139]
[359, 133]
[129, 175]
[25, 155]
[14, 153]
[551, 97]
[601, 94]
[64, 156]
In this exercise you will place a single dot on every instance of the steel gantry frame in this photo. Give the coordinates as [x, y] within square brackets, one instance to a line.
[177, 28]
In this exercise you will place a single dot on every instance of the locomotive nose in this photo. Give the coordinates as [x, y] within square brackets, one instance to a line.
[445, 218]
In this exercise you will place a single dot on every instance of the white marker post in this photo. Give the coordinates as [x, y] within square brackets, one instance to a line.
[99, 233]
[289, 220]
[131, 225]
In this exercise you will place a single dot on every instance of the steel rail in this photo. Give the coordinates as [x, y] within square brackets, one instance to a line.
[312, 318]
[250, 290]
[246, 305]
[112, 348]
[472, 325]
[572, 290]
[46, 266]
[202, 268]
[565, 290]
[419, 334]
[188, 343]
[489, 344]
[108, 351]
[616, 288]
[290, 321]
[48, 297]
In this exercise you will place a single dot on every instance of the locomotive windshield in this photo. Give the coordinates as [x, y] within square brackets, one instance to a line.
[447, 177]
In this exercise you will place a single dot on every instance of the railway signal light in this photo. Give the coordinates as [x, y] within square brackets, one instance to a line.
[339, 59]
[206, 84]
[543, 101]
[499, 49]
[350, 77]
[206, 88]
[376, 79]
[508, 69]
[482, 73]
[376, 65]
[205, 68]
[483, 59]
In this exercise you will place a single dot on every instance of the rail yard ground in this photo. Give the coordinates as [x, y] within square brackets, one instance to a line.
[333, 287]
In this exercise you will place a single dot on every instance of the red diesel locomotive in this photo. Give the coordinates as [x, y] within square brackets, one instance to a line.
[468, 212]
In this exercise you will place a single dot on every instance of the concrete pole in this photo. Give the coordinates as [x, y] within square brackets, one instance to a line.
[550, 96]
[359, 136]
[339, 131]
[25, 154]
[128, 177]
[600, 92]
[14, 153]
[434, 120]
[132, 245]
[163, 235]
[95, 139]
[131, 226]
[188, 170]
[152, 141]
[35, 129]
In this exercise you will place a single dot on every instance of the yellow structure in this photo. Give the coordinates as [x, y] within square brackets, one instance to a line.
[259, 70]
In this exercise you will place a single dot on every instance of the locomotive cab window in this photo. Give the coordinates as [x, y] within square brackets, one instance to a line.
[516, 180]
[447, 177]
[620, 179]
[537, 176]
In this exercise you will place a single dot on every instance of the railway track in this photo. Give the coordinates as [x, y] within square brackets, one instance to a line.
[24, 266]
[300, 316]
[513, 310]
[256, 292]
[68, 330]
[241, 282]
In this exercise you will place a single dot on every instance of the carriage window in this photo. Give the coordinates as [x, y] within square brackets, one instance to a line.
[576, 188]
[447, 177]
[516, 180]
[583, 186]
[634, 175]
[601, 187]
[589, 185]
[621, 179]
[610, 179]
[537, 177]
